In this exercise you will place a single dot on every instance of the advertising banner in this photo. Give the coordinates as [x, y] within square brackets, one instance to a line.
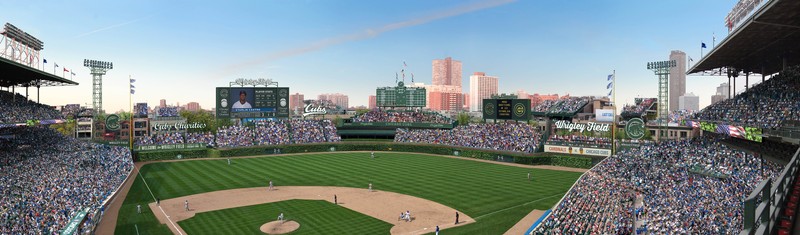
[577, 150]
[604, 115]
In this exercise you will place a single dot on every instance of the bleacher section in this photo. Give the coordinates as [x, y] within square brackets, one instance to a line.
[641, 105]
[515, 137]
[564, 107]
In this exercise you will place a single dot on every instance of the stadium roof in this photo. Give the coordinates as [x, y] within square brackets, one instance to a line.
[770, 35]
[16, 74]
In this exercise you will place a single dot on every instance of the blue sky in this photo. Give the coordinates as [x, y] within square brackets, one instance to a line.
[181, 50]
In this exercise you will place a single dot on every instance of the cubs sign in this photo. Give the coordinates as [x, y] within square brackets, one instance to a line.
[112, 122]
[635, 128]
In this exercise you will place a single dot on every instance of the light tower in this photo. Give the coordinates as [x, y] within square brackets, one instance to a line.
[99, 69]
[661, 69]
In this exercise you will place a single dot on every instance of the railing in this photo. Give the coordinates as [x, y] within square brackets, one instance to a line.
[762, 207]
[783, 133]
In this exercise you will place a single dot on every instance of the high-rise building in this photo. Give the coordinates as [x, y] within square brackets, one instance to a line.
[373, 102]
[689, 101]
[337, 99]
[193, 106]
[445, 101]
[296, 102]
[162, 103]
[481, 87]
[677, 78]
[447, 72]
[522, 94]
[724, 89]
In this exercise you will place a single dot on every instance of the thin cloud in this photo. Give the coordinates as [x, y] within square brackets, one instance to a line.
[112, 27]
[364, 34]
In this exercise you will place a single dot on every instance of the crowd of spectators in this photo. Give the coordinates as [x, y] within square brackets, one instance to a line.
[199, 138]
[168, 112]
[544, 106]
[639, 107]
[516, 137]
[46, 178]
[765, 105]
[306, 131]
[161, 138]
[400, 116]
[674, 199]
[295, 131]
[140, 110]
[234, 136]
[15, 108]
[580, 141]
[679, 116]
[70, 110]
[569, 105]
[271, 133]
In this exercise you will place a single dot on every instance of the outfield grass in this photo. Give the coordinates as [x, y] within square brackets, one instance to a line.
[497, 196]
[314, 217]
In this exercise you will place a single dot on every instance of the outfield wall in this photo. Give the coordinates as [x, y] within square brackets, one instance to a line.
[567, 160]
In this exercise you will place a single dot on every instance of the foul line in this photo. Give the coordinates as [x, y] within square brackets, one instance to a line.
[154, 198]
[476, 218]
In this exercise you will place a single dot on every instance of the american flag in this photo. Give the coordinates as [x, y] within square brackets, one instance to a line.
[737, 131]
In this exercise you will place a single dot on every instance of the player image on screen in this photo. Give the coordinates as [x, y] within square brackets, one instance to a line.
[242, 104]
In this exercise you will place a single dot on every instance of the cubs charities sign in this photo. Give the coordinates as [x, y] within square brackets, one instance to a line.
[577, 150]
[177, 126]
[591, 126]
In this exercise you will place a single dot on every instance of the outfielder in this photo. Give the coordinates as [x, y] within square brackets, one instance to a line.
[372, 154]
[139, 209]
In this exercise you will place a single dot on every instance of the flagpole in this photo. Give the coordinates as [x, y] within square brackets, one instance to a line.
[614, 106]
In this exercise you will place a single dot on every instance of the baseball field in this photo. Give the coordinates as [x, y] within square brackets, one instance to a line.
[234, 199]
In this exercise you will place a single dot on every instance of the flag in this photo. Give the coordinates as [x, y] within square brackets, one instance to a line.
[412, 77]
[395, 76]
[66, 70]
[132, 86]
[690, 59]
[133, 80]
[609, 85]
[73, 73]
[133, 91]
[702, 45]
[56, 65]
[609, 93]
[610, 76]
[404, 64]
[45, 61]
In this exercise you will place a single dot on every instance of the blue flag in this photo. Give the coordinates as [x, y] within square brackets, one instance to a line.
[609, 86]
[702, 45]
[133, 80]
[133, 91]
[45, 61]
[610, 76]
[609, 93]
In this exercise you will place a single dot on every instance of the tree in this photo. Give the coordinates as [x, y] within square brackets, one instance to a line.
[67, 128]
[124, 116]
[463, 119]
[202, 117]
[222, 122]
[361, 111]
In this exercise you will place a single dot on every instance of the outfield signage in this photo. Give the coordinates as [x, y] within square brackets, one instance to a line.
[397, 124]
[577, 150]
[634, 129]
[72, 226]
[168, 146]
[741, 132]
[604, 115]
[310, 110]
[167, 126]
[507, 109]
[581, 127]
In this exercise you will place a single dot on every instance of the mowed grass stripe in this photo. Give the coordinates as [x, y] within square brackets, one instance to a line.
[315, 217]
[476, 188]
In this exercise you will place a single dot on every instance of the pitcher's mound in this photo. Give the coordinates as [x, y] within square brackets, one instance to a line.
[276, 227]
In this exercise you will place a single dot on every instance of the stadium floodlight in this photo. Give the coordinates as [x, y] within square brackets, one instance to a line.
[661, 69]
[26, 39]
[98, 69]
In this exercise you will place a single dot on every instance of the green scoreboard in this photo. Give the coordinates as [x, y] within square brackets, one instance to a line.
[507, 109]
[400, 96]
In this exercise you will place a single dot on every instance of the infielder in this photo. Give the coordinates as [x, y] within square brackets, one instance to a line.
[270, 185]
[186, 205]
[370, 187]
[280, 217]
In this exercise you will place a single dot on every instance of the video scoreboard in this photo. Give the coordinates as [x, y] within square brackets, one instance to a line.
[507, 109]
[252, 102]
[400, 96]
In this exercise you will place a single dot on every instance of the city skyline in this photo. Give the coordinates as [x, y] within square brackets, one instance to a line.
[178, 53]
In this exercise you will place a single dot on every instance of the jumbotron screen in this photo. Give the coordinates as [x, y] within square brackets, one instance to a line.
[252, 102]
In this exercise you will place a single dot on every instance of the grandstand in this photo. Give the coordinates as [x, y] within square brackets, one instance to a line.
[763, 41]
